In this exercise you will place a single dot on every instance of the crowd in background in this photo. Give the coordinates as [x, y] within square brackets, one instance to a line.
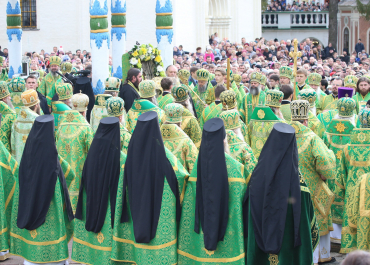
[306, 6]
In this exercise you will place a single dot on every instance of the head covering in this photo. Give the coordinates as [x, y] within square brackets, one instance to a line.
[184, 76]
[80, 102]
[64, 91]
[212, 194]
[346, 106]
[237, 78]
[180, 93]
[17, 84]
[364, 117]
[273, 181]
[4, 91]
[286, 71]
[112, 84]
[299, 109]
[101, 99]
[147, 89]
[30, 98]
[228, 100]
[100, 175]
[350, 81]
[256, 77]
[202, 74]
[314, 79]
[146, 168]
[231, 119]
[174, 112]
[345, 92]
[115, 106]
[274, 98]
[66, 67]
[37, 177]
[55, 60]
[309, 95]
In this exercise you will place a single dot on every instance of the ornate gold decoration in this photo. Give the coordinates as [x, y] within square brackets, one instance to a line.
[274, 259]
[33, 233]
[100, 237]
[16, 99]
[24, 138]
[259, 144]
[23, 114]
[137, 106]
[68, 148]
[340, 127]
[70, 117]
[261, 114]
[339, 154]
[101, 101]
[361, 137]
[208, 252]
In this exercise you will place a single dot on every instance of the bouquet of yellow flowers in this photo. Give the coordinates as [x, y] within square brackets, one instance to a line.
[147, 54]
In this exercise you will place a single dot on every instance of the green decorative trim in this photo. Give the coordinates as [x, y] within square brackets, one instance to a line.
[164, 21]
[118, 20]
[13, 21]
[103, 23]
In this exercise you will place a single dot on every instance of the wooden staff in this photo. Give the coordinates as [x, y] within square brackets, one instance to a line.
[295, 56]
[228, 74]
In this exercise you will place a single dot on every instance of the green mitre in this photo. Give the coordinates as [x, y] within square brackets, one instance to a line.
[309, 95]
[202, 74]
[112, 84]
[184, 76]
[17, 84]
[4, 91]
[180, 93]
[231, 119]
[350, 81]
[255, 77]
[314, 79]
[228, 100]
[346, 106]
[101, 99]
[286, 71]
[274, 98]
[364, 118]
[237, 78]
[64, 91]
[174, 112]
[263, 79]
[115, 106]
[55, 60]
[66, 67]
[147, 89]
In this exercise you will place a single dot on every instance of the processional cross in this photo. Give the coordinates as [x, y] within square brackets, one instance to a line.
[295, 54]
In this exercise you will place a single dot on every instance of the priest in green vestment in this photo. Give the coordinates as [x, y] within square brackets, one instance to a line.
[313, 122]
[8, 175]
[92, 237]
[175, 139]
[65, 93]
[237, 80]
[147, 102]
[3, 72]
[16, 87]
[41, 224]
[254, 98]
[259, 128]
[189, 123]
[66, 67]
[362, 93]
[200, 95]
[317, 164]
[314, 81]
[274, 98]
[329, 102]
[286, 77]
[213, 110]
[301, 78]
[211, 226]
[354, 163]
[73, 140]
[279, 219]
[8, 115]
[166, 97]
[99, 110]
[358, 209]
[148, 199]
[337, 136]
[115, 108]
[239, 149]
[48, 82]
[23, 124]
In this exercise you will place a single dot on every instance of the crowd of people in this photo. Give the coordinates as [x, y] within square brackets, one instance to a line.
[281, 5]
[259, 164]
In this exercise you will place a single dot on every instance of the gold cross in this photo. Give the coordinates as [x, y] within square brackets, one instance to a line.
[101, 101]
[295, 56]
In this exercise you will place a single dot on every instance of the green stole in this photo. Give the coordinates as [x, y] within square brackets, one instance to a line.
[17, 101]
[58, 108]
[163, 101]
[210, 112]
[329, 103]
[285, 110]
[50, 95]
[249, 106]
[327, 116]
[361, 101]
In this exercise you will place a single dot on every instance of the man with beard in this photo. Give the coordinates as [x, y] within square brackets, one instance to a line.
[354, 163]
[47, 86]
[255, 97]
[115, 108]
[200, 93]
[147, 102]
[215, 108]
[317, 164]
[23, 124]
[210, 229]
[65, 93]
[16, 87]
[73, 140]
[129, 91]
[326, 102]
[184, 76]
[8, 115]
[362, 95]
[176, 140]
[189, 123]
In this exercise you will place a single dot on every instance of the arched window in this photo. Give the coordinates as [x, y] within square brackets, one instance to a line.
[346, 39]
[28, 10]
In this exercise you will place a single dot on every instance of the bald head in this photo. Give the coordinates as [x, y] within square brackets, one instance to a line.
[171, 71]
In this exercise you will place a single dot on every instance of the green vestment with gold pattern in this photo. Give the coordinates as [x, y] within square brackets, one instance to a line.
[8, 175]
[163, 101]
[315, 125]
[125, 138]
[361, 101]
[239, 95]
[242, 153]
[98, 112]
[4, 76]
[20, 130]
[177, 141]
[191, 127]
[73, 140]
[57, 110]
[8, 116]
[259, 128]
[316, 160]
[249, 103]
[47, 84]
[140, 106]
[162, 249]
[353, 164]
[327, 116]
[336, 137]
[52, 92]
[328, 102]
[49, 242]
[206, 96]
[358, 211]
[94, 248]
[16, 101]
[191, 248]
[210, 112]
[290, 255]
[285, 110]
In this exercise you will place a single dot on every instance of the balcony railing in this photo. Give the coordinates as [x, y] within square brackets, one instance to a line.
[291, 20]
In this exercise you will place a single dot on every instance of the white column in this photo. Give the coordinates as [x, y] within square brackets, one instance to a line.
[14, 31]
[118, 35]
[164, 30]
[99, 43]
